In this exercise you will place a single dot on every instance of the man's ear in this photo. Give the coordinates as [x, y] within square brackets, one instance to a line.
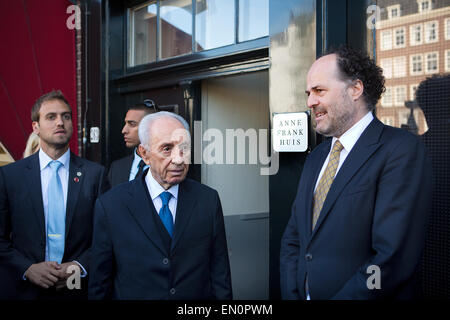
[35, 126]
[145, 155]
[357, 89]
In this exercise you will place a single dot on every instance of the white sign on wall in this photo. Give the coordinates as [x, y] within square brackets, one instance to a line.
[290, 132]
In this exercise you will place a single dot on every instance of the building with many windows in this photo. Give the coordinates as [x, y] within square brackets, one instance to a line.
[413, 43]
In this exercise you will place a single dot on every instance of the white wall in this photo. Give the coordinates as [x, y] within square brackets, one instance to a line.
[230, 103]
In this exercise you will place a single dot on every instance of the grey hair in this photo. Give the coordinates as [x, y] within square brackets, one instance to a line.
[146, 124]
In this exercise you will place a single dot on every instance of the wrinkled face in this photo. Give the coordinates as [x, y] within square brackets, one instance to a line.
[130, 129]
[330, 98]
[169, 151]
[54, 127]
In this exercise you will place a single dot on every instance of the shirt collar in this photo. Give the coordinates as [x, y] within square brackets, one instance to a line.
[155, 189]
[137, 158]
[44, 159]
[349, 138]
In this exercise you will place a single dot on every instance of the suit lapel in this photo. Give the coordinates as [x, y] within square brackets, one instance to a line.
[185, 208]
[75, 181]
[366, 145]
[125, 170]
[142, 209]
[33, 177]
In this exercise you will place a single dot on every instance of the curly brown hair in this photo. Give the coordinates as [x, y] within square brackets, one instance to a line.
[353, 65]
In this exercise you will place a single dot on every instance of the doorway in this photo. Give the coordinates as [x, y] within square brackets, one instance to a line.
[233, 110]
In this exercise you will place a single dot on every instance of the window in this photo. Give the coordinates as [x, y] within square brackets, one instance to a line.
[424, 5]
[393, 11]
[447, 60]
[447, 29]
[431, 62]
[253, 19]
[412, 91]
[400, 95]
[416, 64]
[386, 40]
[214, 24]
[431, 31]
[399, 37]
[399, 67]
[164, 29]
[387, 98]
[142, 34]
[386, 65]
[175, 28]
[415, 34]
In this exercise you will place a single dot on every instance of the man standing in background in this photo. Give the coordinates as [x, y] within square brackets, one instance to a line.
[129, 167]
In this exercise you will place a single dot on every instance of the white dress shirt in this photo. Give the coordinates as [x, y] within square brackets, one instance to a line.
[348, 140]
[155, 190]
[46, 175]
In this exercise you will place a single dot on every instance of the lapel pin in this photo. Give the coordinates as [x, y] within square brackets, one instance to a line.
[79, 173]
[76, 179]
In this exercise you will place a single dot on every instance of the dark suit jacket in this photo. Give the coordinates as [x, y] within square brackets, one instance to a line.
[375, 214]
[119, 171]
[22, 222]
[132, 260]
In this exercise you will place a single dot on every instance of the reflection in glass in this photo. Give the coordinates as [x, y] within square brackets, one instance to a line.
[253, 19]
[214, 23]
[142, 45]
[176, 28]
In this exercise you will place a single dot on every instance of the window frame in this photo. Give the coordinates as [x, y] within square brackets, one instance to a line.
[447, 60]
[426, 24]
[447, 28]
[420, 2]
[195, 55]
[394, 36]
[412, 95]
[427, 71]
[383, 64]
[396, 102]
[411, 64]
[394, 68]
[412, 34]
[391, 8]
[383, 98]
[382, 47]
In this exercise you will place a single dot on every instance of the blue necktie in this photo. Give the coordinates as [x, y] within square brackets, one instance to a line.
[165, 214]
[56, 219]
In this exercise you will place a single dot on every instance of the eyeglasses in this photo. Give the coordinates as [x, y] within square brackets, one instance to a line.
[150, 104]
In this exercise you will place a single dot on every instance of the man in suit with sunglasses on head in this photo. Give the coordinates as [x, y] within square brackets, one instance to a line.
[130, 167]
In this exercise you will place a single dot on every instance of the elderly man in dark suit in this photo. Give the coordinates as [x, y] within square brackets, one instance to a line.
[46, 210]
[359, 218]
[160, 236]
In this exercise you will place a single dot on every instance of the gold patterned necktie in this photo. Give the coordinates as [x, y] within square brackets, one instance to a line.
[325, 181]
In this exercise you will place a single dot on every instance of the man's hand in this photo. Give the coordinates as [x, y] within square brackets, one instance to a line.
[63, 275]
[44, 274]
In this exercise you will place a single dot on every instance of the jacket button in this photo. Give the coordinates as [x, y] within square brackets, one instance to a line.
[165, 261]
[172, 291]
[308, 257]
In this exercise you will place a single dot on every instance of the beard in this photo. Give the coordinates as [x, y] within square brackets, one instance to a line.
[340, 117]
